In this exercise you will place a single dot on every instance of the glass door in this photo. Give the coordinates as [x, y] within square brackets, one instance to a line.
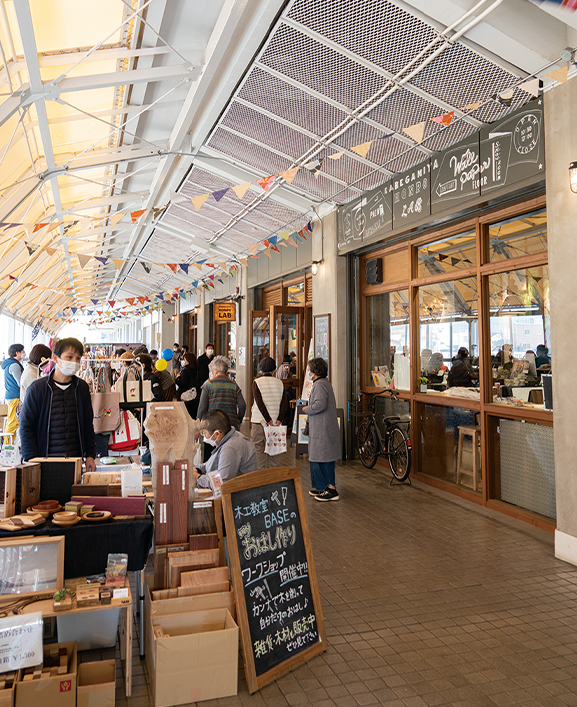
[287, 343]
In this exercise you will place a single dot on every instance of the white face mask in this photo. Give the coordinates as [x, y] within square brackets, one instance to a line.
[68, 368]
[210, 440]
[209, 352]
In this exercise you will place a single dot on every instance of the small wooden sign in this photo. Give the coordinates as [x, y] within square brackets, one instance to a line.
[278, 603]
[224, 312]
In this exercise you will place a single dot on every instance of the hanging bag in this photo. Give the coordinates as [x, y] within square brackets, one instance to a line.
[275, 439]
[133, 389]
[127, 436]
[105, 403]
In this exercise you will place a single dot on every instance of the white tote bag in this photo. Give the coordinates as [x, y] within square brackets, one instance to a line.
[275, 439]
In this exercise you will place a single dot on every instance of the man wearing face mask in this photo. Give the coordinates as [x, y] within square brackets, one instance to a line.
[233, 455]
[56, 418]
[203, 362]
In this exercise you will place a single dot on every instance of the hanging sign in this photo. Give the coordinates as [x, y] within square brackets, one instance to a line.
[411, 195]
[455, 175]
[224, 311]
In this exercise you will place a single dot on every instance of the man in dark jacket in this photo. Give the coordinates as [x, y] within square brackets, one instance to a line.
[56, 418]
[203, 362]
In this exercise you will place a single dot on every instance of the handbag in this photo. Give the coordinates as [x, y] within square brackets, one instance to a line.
[105, 404]
[132, 388]
[189, 395]
[275, 439]
[127, 435]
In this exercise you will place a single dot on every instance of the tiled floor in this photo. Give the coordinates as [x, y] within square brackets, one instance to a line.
[427, 601]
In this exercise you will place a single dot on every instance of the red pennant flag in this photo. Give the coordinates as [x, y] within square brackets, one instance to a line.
[131, 300]
[135, 215]
[142, 300]
[267, 244]
[276, 250]
[112, 302]
[173, 267]
[266, 182]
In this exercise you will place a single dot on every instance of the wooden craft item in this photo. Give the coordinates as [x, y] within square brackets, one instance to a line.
[62, 605]
[198, 589]
[74, 506]
[101, 478]
[178, 520]
[198, 578]
[86, 508]
[161, 563]
[162, 504]
[129, 505]
[105, 596]
[204, 541]
[93, 490]
[57, 476]
[201, 519]
[185, 561]
[19, 488]
[87, 596]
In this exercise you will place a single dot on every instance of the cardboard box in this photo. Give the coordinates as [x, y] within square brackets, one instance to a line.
[96, 684]
[55, 691]
[187, 605]
[7, 694]
[196, 660]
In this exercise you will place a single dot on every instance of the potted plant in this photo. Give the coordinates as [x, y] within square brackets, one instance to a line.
[423, 380]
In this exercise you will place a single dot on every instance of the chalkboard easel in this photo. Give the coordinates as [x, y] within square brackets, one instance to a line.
[277, 598]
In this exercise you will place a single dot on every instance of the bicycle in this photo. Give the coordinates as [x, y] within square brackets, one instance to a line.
[394, 444]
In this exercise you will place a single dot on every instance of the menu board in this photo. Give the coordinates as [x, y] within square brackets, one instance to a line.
[278, 603]
[411, 195]
[455, 175]
[362, 218]
[513, 149]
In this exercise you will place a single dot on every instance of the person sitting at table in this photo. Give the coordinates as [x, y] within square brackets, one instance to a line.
[542, 358]
[233, 455]
[460, 373]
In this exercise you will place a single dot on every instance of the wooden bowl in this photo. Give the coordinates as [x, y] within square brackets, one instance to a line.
[47, 505]
[44, 511]
[65, 516]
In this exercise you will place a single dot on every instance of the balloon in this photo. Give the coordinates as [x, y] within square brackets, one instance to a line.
[161, 364]
[167, 354]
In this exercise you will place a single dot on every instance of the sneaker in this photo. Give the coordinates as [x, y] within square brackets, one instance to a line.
[327, 495]
[313, 492]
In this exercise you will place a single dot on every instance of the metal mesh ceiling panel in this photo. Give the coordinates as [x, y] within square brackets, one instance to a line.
[402, 109]
[378, 31]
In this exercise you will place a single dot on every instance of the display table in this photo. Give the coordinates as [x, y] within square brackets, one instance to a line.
[125, 626]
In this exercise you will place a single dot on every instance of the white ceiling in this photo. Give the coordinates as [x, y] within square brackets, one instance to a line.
[114, 106]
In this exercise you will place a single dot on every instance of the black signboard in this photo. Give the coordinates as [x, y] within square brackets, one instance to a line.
[273, 574]
[455, 175]
[513, 149]
[411, 195]
[362, 218]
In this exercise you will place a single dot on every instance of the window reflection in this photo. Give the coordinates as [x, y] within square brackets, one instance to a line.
[389, 340]
[453, 253]
[296, 294]
[522, 235]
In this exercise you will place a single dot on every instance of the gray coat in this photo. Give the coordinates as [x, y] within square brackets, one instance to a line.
[324, 432]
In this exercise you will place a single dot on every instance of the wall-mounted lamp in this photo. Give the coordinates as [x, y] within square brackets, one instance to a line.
[573, 176]
[315, 266]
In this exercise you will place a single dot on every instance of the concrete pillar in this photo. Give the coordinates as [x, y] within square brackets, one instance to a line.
[167, 332]
[243, 307]
[561, 149]
[330, 297]
[203, 324]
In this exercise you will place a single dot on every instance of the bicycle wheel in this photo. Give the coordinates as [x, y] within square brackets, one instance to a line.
[368, 443]
[399, 453]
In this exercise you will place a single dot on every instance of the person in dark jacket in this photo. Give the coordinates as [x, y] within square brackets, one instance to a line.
[12, 373]
[203, 363]
[460, 373]
[149, 375]
[56, 418]
[187, 381]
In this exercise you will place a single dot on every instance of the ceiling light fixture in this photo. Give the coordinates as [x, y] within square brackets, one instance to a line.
[573, 177]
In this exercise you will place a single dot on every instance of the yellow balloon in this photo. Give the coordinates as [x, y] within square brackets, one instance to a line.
[160, 364]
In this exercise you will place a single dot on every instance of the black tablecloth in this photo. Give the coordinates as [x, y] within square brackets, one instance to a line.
[87, 544]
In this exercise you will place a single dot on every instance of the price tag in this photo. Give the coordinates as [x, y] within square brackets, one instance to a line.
[120, 593]
[21, 641]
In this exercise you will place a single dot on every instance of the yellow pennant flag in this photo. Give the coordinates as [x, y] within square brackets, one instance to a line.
[117, 263]
[285, 235]
[364, 147]
[198, 265]
[289, 174]
[198, 201]
[241, 189]
[560, 75]
[115, 218]
[416, 131]
[244, 261]
[337, 155]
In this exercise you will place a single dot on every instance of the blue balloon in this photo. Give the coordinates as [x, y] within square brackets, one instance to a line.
[167, 354]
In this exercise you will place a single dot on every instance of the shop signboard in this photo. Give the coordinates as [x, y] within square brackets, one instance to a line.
[513, 149]
[455, 175]
[273, 574]
[363, 217]
[224, 311]
[411, 195]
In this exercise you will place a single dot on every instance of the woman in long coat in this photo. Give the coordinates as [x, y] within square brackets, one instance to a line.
[324, 433]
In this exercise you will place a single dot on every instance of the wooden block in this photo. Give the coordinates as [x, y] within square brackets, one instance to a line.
[29, 481]
[204, 541]
[88, 596]
[37, 674]
[195, 590]
[160, 563]
[158, 632]
[63, 604]
[74, 506]
[201, 517]
[54, 671]
[86, 508]
[9, 475]
[178, 515]
[184, 561]
[162, 504]
[206, 576]
[105, 596]
[130, 505]
[89, 489]
[100, 478]
[27, 676]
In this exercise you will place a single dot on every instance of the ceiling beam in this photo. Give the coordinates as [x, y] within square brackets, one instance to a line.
[126, 78]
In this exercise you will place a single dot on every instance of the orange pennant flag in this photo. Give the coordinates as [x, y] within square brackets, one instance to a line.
[241, 189]
[560, 75]
[472, 106]
[50, 251]
[416, 131]
[276, 250]
[253, 248]
[198, 201]
[446, 119]
[293, 241]
[267, 251]
[289, 174]
[198, 265]
[172, 266]
[131, 300]
[244, 261]
[38, 226]
[363, 148]
[54, 225]
[135, 215]
[266, 182]
[117, 263]
[337, 155]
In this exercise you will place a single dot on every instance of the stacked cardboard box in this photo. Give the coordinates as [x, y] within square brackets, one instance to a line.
[52, 684]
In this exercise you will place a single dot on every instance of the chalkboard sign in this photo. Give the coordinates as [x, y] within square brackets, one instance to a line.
[278, 604]
[322, 337]
[362, 218]
[411, 194]
[455, 175]
[513, 149]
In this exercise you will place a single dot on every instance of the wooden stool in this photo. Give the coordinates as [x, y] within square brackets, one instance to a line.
[473, 431]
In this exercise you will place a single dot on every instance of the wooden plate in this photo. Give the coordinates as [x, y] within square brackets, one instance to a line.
[46, 512]
[66, 523]
[96, 516]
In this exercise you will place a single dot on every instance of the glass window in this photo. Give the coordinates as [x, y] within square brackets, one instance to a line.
[449, 334]
[260, 340]
[448, 254]
[296, 294]
[446, 448]
[522, 235]
[520, 332]
[389, 342]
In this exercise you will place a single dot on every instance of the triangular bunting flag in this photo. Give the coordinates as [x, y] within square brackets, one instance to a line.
[416, 131]
[83, 259]
[284, 243]
[183, 267]
[472, 106]
[272, 240]
[253, 248]
[112, 302]
[267, 251]
[337, 155]
[266, 244]
[276, 250]
[74, 309]
[198, 201]
[95, 301]
[244, 261]
[15, 279]
[30, 250]
[115, 218]
[285, 235]
[241, 189]
[146, 268]
[135, 215]
[293, 241]
[117, 263]
[38, 226]
[531, 87]
[363, 148]
[101, 259]
[198, 265]
[178, 198]
[446, 119]
[142, 300]
[560, 75]
[131, 300]
[50, 251]
[289, 174]
[314, 167]
[219, 194]
[266, 182]
[173, 267]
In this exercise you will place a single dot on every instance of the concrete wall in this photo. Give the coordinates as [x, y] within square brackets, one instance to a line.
[560, 150]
